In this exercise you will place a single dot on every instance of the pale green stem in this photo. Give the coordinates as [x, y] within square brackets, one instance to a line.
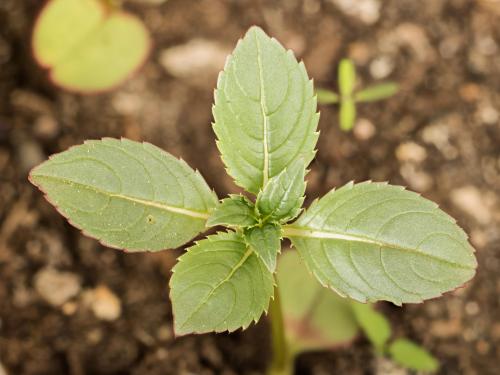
[282, 362]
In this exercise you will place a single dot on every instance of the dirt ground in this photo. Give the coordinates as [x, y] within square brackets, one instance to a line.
[70, 306]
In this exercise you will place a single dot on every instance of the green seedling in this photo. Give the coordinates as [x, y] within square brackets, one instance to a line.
[349, 97]
[367, 241]
[89, 46]
[316, 319]
[404, 352]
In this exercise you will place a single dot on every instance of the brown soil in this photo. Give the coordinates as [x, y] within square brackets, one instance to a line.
[440, 136]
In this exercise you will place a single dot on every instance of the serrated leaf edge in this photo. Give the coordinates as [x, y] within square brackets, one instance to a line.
[243, 327]
[199, 215]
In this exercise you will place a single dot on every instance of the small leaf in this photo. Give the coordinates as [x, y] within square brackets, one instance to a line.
[373, 241]
[374, 324]
[128, 195]
[377, 92]
[315, 318]
[326, 96]
[219, 285]
[236, 210]
[265, 111]
[283, 195]
[266, 242]
[347, 114]
[412, 356]
[88, 46]
[347, 78]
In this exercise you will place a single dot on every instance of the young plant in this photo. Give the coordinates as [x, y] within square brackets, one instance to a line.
[316, 319]
[89, 45]
[367, 241]
[349, 97]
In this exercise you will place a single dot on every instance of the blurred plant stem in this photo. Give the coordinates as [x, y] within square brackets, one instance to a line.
[282, 361]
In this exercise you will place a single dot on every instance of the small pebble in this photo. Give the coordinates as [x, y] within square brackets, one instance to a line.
[381, 67]
[412, 152]
[417, 179]
[364, 129]
[127, 103]
[367, 11]
[488, 115]
[94, 336]
[165, 333]
[470, 92]
[57, 287]
[470, 200]
[446, 328]
[105, 304]
[46, 127]
[198, 56]
[69, 308]
[486, 46]
[472, 308]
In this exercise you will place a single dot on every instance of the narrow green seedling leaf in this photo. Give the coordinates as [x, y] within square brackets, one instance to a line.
[87, 46]
[282, 197]
[375, 325]
[315, 318]
[347, 78]
[412, 356]
[235, 211]
[265, 240]
[265, 111]
[377, 92]
[218, 285]
[128, 195]
[373, 241]
[327, 97]
[347, 114]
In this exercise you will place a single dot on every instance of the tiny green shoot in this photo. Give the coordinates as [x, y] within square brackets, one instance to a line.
[367, 241]
[349, 96]
[89, 46]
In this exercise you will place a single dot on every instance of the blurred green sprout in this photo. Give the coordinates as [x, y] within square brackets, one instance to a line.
[349, 96]
[89, 46]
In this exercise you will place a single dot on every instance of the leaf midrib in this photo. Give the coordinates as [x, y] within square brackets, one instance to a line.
[263, 107]
[295, 231]
[165, 207]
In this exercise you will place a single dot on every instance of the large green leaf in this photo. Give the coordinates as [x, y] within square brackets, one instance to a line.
[87, 45]
[282, 197]
[219, 285]
[412, 356]
[314, 317]
[373, 241]
[127, 194]
[265, 111]
[266, 242]
[235, 211]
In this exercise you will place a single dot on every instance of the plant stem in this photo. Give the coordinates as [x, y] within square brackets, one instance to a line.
[282, 363]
